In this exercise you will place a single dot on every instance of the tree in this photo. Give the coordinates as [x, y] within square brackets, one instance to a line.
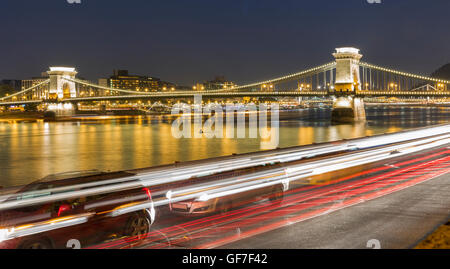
[6, 89]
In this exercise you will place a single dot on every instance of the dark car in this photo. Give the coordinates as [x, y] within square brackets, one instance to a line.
[88, 220]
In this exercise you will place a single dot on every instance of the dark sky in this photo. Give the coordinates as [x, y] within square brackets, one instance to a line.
[185, 41]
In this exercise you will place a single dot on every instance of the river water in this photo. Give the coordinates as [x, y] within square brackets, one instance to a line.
[30, 150]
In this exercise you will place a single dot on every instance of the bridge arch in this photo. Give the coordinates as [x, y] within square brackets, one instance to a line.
[66, 90]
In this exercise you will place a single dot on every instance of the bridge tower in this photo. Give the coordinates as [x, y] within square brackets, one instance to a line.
[60, 88]
[346, 106]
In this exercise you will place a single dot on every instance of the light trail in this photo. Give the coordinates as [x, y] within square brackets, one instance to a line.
[301, 205]
[305, 194]
[171, 175]
[322, 211]
[253, 181]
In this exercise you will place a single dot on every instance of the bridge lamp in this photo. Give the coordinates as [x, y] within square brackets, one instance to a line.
[195, 87]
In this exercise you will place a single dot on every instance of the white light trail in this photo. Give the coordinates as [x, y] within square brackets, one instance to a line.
[171, 174]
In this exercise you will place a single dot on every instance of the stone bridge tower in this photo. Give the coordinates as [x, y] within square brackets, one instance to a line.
[346, 106]
[59, 87]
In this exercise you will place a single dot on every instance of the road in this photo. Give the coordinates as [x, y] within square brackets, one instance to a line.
[396, 202]
[398, 221]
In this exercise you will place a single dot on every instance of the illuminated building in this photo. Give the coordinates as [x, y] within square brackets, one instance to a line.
[218, 83]
[123, 80]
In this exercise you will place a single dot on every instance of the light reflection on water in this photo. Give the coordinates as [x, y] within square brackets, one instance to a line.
[32, 150]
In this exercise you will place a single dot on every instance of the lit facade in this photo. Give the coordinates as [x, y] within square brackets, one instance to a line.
[122, 80]
[219, 83]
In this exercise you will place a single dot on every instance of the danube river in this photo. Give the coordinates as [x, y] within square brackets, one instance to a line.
[30, 150]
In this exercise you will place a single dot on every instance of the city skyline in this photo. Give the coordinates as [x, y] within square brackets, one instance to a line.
[243, 41]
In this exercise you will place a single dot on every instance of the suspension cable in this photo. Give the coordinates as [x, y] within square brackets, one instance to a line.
[26, 90]
[318, 69]
[403, 73]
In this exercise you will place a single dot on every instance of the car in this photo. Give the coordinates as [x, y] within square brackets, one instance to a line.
[222, 205]
[88, 219]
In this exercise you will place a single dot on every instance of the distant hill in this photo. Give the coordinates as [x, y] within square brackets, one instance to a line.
[443, 72]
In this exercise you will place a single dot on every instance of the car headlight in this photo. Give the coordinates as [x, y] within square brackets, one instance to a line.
[3, 234]
[203, 198]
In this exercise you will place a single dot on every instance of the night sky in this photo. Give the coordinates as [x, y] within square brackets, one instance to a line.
[185, 41]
